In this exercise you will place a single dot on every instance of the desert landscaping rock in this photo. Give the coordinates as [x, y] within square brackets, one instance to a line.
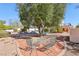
[71, 53]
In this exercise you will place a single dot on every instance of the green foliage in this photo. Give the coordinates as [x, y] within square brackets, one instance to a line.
[53, 29]
[2, 22]
[56, 29]
[24, 15]
[41, 15]
[3, 34]
[6, 27]
[3, 26]
[45, 30]
[59, 29]
[58, 12]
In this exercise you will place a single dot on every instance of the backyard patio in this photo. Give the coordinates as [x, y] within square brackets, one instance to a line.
[47, 45]
[38, 49]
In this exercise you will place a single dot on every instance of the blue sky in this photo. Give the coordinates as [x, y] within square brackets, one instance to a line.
[72, 14]
[8, 13]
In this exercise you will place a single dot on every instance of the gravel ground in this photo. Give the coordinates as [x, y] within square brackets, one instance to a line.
[7, 47]
[71, 53]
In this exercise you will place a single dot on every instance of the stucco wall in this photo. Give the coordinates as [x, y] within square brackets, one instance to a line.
[74, 35]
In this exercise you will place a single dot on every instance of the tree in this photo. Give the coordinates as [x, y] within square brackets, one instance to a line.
[58, 14]
[49, 15]
[41, 15]
[3, 26]
[2, 22]
[24, 15]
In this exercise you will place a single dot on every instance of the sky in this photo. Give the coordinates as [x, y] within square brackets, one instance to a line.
[72, 14]
[9, 13]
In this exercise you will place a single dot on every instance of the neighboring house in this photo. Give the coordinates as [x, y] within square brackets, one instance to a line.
[74, 35]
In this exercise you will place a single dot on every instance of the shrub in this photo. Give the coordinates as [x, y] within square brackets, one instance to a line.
[45, 30]
[3, 33]
[5, 27]
[60, 30]
[53, 30]
[57, 30]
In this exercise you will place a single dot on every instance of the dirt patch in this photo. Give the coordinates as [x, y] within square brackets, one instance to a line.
[7, 47]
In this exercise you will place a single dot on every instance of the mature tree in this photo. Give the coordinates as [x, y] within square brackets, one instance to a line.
[3, 26]
[38, 12]
[24, 15]
[41, 15]
[58, 14]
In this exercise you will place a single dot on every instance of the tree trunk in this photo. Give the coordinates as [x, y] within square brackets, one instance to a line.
[40, 30]
[24, 29]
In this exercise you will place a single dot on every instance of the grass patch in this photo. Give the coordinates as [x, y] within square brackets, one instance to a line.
[4, 34]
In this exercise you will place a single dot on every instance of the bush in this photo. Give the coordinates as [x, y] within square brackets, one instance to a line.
[60, 30]
[45, 30]
[4, 34]
[53, 30]
[57, 30]
[5, 27]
